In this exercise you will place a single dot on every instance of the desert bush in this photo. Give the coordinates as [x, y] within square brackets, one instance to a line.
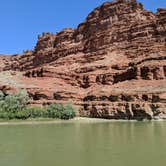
[21, 115]
[36, 112]
[2, 96]
[55, 110]
[68, 112]
[14, 102]
[61, 111]
[4, 115]
[12, 105]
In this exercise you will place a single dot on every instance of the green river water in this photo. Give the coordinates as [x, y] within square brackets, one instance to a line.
[84, 144]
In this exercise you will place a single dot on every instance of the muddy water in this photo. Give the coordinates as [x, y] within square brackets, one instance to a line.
[84, 144]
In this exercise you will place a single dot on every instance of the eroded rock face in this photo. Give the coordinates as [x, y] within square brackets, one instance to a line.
[113, 65]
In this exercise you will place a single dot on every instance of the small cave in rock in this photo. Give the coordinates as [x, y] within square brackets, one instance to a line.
[158, 73]
[103, 98]
[33, 74]
[145, 97]
[90, 98]
[94, 112]
[57, 96]
[40, 72]
[27, 74]
[38, 96]
[164, 68]
[113, 98]
[104, 79]
[130, 74]
[127, 98]
[155, 99]
[86, 107]
[101, 79]
[145, 73]
[105, 110]
[85, 83]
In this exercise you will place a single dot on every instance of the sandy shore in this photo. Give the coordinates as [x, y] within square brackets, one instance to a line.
[52, 121]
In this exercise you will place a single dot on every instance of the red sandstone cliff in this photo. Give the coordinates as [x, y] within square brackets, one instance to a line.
[113, 65]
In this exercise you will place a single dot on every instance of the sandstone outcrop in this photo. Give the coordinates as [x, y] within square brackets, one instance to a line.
[113, 65]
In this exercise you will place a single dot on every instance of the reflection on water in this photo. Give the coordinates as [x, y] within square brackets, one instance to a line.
[80, 144]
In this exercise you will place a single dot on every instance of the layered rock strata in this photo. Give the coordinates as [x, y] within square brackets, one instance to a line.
[113, 65]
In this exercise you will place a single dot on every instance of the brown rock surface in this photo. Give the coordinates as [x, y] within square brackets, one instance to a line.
[113, 65]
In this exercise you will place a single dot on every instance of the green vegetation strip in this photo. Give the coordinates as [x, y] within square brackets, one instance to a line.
[15, 106]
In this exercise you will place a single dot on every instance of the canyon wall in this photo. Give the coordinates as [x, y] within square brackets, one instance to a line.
[113, 65]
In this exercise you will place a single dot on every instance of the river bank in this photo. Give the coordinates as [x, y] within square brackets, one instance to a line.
[50, 121]
[38, 121]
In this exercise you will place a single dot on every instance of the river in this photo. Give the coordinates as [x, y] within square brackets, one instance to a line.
[84, 144]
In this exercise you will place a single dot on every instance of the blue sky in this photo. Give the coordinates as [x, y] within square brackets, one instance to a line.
[22, 20]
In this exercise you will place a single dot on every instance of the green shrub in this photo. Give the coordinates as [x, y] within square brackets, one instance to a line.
[55, 110]
[14, 102]
[12, 105]
[4, 115]
[22, 115]
[68, 112]
[36, 112]
[2, 96]
[61, 111]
